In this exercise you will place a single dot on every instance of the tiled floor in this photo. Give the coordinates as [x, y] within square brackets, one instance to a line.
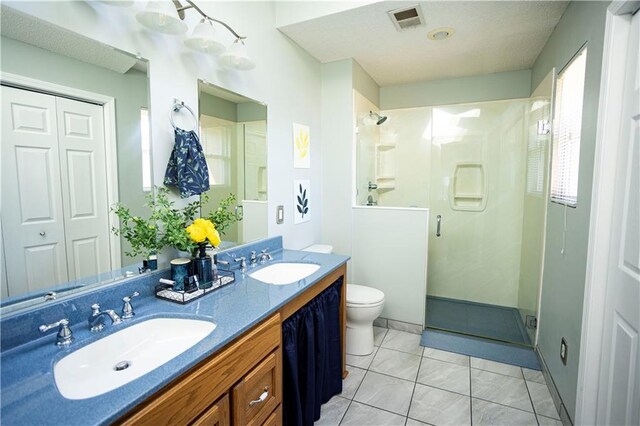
[402, 383]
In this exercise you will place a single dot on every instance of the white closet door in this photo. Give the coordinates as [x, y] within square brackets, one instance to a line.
[620, 365]
[32, 218]
[84, 187]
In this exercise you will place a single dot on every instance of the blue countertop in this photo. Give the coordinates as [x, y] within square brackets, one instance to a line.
[28, 391]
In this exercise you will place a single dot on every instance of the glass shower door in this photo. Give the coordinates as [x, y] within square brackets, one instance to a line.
[478, 182]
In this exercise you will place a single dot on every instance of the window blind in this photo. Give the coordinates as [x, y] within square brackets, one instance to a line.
[566, 131]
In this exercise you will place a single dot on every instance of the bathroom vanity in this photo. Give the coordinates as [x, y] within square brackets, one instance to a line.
[232, 376]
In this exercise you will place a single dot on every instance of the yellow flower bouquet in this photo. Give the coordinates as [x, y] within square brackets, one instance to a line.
[203, 230]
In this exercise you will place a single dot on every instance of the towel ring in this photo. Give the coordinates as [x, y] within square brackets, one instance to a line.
[177, 106]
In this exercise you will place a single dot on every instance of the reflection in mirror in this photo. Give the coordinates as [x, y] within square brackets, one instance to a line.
[233, 134]
[75, 140]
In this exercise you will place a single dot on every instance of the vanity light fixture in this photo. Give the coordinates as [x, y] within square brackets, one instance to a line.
[167, 16]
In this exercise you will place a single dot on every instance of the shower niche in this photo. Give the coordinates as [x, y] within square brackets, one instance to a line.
[468, 191]
[385, 165]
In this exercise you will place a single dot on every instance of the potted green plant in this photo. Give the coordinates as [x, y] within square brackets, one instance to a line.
[141, 234]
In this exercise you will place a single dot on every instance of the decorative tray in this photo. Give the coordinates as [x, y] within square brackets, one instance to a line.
[165, 291]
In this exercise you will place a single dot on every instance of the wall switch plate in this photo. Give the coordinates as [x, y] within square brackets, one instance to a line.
[563, 351]
[280, 215]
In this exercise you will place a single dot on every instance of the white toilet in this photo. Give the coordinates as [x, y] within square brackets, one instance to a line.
[364, 304]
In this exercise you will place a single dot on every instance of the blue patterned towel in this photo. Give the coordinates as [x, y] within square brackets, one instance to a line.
[187, 168]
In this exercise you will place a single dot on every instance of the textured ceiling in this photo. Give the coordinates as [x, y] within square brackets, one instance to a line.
[490, 37]
[44, 35]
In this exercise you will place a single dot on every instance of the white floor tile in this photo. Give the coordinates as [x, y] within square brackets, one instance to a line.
[361, 361]
[496, 367]
[394, 363]
[446, 356]
[332, 412]
[439, 407]
[444, 375]
[352, 382]
[499, 388]
[360, 415]
[486, 413]
[402, 341]
[533, 376]
[542, 401]
[386, 392]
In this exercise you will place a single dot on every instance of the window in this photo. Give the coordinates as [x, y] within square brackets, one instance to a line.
[216, 144]
[145, 144]
[566, 131]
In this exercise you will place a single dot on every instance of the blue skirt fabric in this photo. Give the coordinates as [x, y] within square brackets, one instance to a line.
[187, 168]
[312, 358]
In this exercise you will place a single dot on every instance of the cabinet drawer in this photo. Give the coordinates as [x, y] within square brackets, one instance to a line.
[258, 393]
[275, 419]
[217, 415]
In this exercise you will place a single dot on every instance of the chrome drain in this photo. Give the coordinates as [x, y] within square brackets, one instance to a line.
[122, 365]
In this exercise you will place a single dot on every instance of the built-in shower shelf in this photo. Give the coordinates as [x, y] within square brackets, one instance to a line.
[386, 182]
[468, 192]
[386, 145]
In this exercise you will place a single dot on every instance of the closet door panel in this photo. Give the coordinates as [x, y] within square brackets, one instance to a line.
[32, 210]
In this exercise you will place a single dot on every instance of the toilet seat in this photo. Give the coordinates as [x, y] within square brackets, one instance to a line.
[359, 295]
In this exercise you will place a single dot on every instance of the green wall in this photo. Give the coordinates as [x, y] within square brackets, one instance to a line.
[564, 275]
[214, 106]
[130, 91]
[490, 87]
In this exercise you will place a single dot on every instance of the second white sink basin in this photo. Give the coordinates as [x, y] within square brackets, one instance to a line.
[121, 357]
[284, 273]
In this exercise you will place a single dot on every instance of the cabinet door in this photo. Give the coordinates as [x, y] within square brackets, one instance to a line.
[217, 415]
[259, 392]
[275, 419]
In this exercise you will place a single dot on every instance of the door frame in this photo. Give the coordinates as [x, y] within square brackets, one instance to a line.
[111, 151]
[617, 30]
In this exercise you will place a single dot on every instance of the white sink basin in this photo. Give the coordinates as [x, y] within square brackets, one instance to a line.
[91, 371]
[284, 273]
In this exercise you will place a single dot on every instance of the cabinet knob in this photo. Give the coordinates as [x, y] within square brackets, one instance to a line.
[43, 234]
[262, 398]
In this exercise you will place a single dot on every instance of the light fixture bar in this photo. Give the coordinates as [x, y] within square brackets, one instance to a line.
[191, 5]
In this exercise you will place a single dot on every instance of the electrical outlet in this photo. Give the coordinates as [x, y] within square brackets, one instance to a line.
[563, 351]
[531, 322]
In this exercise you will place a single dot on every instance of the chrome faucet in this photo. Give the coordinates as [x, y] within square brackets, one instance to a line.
[243, 263]
[253, 259]
[64, 337]
[127, 309]
[96, 320]
[265, 255]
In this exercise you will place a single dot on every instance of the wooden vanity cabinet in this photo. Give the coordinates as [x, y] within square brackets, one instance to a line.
[227, 388]
[220, 388]
[218, 414]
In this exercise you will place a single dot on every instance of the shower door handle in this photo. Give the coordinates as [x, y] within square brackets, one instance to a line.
[438, 224]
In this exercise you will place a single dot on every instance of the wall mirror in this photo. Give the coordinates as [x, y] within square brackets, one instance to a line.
[75, 140]
[233, 134]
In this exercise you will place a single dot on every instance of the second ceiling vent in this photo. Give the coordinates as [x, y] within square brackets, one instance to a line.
[407, 17]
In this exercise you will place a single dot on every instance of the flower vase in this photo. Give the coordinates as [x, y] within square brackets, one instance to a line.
[202, 266]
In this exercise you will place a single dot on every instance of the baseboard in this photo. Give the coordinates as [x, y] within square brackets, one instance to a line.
[398, 325]
[555, 395]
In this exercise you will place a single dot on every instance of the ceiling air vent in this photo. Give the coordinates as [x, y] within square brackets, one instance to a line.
[407, 17]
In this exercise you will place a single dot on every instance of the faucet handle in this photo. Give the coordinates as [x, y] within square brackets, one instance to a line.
[64, 336]
[95, 309]
[127, 309]
[242, 261]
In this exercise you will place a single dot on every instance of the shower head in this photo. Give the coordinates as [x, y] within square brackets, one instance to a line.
[379, 118]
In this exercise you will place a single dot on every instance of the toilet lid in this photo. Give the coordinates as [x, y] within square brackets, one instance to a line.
[362, 295]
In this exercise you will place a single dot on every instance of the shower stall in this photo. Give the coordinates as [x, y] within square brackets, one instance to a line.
[481, 169]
